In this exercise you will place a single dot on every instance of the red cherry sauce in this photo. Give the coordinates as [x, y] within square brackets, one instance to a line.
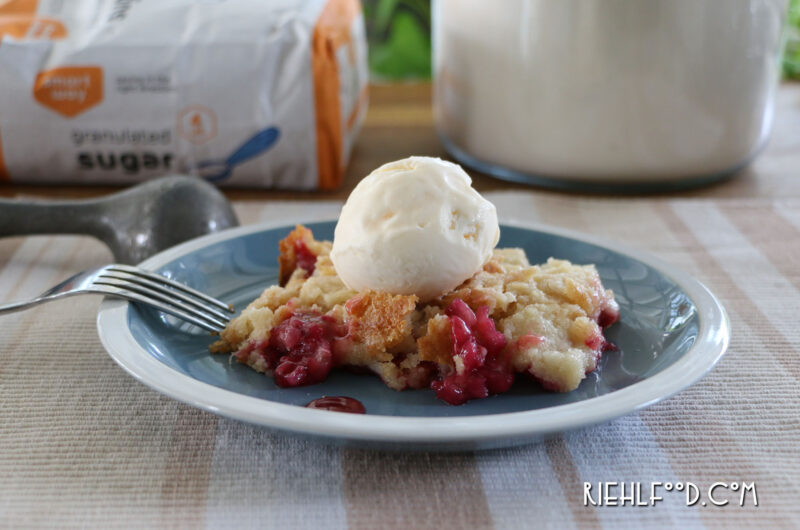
[299, 349]
[338, 404]
[480, 346]
[306, 259]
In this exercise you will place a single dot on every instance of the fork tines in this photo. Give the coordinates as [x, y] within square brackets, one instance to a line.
[167, 295]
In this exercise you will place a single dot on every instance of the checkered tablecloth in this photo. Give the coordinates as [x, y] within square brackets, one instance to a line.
[82, 444]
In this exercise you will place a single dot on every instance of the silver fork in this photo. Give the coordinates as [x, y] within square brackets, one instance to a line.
[139, 285]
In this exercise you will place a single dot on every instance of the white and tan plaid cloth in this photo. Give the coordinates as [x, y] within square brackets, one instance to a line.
[82, 444]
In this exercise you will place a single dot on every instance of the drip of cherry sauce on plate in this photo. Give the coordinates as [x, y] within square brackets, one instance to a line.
[338, 404]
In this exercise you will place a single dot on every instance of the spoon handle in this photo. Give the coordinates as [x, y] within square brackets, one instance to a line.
[19, 217]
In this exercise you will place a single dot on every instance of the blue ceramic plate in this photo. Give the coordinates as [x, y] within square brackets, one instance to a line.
[671, 332]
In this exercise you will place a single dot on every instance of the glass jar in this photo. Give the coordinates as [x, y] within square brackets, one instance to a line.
[606, 94]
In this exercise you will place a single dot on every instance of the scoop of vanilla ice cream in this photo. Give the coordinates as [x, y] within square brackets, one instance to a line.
[414, 226]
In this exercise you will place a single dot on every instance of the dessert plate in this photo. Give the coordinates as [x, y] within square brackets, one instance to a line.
[671, 332]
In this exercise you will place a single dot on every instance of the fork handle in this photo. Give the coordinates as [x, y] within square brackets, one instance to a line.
[21, 306]
[24, 217]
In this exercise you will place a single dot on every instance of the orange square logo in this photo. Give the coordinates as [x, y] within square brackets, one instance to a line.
[69, 90]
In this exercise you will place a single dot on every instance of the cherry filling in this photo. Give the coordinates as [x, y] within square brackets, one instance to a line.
[338, 404]
[598, 342]
[306, 259]
[608, 316]
[299, 349]
[478, 348]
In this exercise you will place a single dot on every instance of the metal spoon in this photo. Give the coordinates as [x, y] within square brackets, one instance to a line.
[135, 223]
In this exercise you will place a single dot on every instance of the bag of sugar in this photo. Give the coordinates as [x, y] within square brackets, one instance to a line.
[241, 92]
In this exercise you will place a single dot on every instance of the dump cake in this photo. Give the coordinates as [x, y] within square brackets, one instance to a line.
[509, 318]
[466, 339]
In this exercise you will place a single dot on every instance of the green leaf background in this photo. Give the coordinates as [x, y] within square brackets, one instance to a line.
[399, 34]
[791, 51]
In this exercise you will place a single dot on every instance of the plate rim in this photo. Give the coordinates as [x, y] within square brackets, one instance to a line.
[711, 344]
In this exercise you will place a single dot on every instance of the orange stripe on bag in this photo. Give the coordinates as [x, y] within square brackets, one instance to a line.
[18, 20]
[362, 100]
[18, 7]
[29, 27]
[331, 31]
[3, 172]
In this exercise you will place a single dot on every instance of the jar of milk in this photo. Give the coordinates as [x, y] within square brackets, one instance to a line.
[606, 94]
